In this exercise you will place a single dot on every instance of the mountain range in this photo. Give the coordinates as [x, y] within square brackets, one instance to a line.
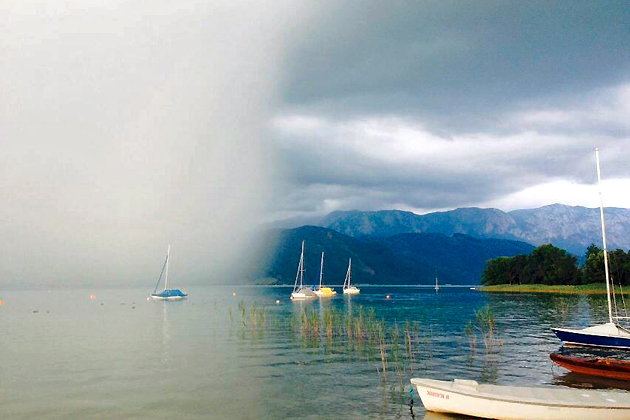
[572, 228]
[407, 258]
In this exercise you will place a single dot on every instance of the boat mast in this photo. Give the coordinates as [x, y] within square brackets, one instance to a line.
[601, 213]
[168, 253]
[321, 271]
[346, 283]
[300, 271]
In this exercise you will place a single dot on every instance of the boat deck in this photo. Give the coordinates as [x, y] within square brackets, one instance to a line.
[548, 396]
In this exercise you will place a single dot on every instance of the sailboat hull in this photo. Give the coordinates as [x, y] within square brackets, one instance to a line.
[581, 338]
[351, 291]
[168, 298]
[169, 294]
[325, 292]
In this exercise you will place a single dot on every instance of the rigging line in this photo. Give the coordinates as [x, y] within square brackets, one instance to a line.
[623, 300]
[160, 278]
[612, 285]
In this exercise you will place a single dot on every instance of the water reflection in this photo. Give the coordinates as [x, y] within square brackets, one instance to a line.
[224, 365]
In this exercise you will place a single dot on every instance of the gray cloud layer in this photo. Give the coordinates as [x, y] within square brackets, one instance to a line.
[438, 104]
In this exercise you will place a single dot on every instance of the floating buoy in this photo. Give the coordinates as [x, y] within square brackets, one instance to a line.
[388, 297]
[92, 296]
[278, 301]
[1, 302]
[234, 294]
[148, 298]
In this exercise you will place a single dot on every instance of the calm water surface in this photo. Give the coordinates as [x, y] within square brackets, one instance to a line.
[119, 356]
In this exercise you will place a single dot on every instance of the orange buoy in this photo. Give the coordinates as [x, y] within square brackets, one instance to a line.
[388, 297]
[1, 302]
[92, 296]
[234, 294]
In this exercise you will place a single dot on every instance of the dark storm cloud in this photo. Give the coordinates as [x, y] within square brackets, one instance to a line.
[456, 61]
[439, 104]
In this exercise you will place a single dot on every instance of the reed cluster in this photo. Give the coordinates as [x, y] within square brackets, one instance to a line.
[484, 327]
[360, 333]
[254, 318]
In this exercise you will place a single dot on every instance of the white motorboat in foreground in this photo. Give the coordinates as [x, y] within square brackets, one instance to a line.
[521, 403]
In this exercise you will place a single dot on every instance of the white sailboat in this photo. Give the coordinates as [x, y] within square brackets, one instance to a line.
[610, 334]
[167, 294]
[437, 287]
[323, 291]
[299, 291]
[348, 289]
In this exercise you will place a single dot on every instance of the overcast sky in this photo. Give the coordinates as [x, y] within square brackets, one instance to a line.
[431, 105]
[126, 126]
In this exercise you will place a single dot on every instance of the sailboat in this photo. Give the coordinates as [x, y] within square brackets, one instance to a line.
[436, 282]
[347, 288]
[299, 291]
[321, 290]
[167, 294]
[610, 334]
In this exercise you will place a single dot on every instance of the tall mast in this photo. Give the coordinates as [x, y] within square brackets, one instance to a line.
[302, 266]
[349, 275]
[321, 271]
[601, 213]
[168, 253]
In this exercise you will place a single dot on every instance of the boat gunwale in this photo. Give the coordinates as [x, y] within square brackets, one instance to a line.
[572, 331]
[602, 363]
[586, 334]
[521, 401]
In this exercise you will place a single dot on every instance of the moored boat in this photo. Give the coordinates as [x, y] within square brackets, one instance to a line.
[167, 294]
[604, 367]
[521, 403]
[610, 334]
[323, 291]
[301, 292]
[349, 289]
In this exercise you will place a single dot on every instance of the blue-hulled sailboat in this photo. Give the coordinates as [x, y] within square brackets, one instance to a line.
[167, 294]
[610, 334]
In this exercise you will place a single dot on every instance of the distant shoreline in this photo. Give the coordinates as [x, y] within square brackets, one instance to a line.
[586, 289]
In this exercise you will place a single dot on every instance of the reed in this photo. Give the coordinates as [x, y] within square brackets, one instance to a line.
[358, 334]
[483, 326]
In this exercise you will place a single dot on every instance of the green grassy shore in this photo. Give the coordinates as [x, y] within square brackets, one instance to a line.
[587, 289]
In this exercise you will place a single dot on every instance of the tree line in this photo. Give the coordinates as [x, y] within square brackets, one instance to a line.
[550, 265]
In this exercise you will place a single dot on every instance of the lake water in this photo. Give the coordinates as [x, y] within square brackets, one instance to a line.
[119, 356]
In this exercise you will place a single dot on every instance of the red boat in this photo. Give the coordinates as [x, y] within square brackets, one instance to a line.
[594, 366]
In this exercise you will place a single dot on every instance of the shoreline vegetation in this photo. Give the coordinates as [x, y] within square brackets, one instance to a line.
[586, 289]
[553, 267]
